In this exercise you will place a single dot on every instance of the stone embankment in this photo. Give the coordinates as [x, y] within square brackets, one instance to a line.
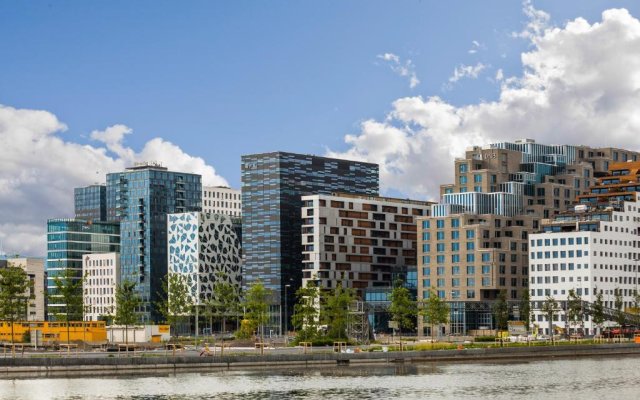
[29, 367]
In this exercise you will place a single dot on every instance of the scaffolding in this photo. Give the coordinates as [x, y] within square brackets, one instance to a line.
[358, 324]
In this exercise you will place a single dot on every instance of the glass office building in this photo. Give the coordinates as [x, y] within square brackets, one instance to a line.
[272, 188]
[91, 202]
[68, 240]
[140, 199]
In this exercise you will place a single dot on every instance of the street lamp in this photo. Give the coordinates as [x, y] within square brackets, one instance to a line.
[286, 324]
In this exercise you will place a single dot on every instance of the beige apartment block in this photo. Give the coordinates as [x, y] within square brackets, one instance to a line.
[101, 273]
[34, 267]
[358, 240]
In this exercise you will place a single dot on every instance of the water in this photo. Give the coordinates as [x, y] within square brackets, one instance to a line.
[586, 378]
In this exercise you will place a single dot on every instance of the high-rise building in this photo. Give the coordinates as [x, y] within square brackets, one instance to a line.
[34, 267]
[591, 249]
[91, 202]
[359, 241]
[140, 198]
[101, 273]
[221, 200]
[272, 188]
[500, 194]
[68, 241]
[205, 249]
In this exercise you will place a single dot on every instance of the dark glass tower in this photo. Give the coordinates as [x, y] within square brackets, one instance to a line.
[140, 199]
[68, 240]
[272, 187]
[91, 202]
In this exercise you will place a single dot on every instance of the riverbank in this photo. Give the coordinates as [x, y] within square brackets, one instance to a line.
[30, 367]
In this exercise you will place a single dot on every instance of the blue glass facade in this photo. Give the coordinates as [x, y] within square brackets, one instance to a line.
[272, 187]
[140, 199]
[91, 202]
[68, 240]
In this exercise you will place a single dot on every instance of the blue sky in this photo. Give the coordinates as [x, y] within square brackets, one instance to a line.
[221, 79]
[407, 84]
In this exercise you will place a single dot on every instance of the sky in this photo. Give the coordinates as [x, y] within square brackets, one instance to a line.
[88, 88]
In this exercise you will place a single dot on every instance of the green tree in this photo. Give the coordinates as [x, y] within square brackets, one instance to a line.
[256, 302]
[621, 317]
[14, 295]
[575, 314]
[306, 312]
[434, 310]
[224, 301]
[598, 310]
[501, 311]
[335, 313]
[127, 302]
[68, 291]
[525, 308]
[550, 309]
[176, 302]
[403, 309]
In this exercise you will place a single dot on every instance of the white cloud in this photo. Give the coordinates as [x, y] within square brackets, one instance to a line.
[39, 169]
[475, 47]
[466, 71]
[580, 84]
[406, 69]
[538, 21]
[499, 75]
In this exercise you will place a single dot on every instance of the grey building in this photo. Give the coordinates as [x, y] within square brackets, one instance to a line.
[272, 188]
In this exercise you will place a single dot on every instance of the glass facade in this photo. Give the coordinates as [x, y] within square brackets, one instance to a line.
[68, 240]
[140, 199]
[91, 202]
[272, 187]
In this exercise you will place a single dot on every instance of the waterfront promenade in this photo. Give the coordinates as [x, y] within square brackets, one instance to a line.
[159, 362]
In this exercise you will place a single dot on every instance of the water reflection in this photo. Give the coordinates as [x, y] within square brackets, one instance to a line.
[597, 378]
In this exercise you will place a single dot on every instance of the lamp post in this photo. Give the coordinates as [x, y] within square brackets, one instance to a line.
[286, 324]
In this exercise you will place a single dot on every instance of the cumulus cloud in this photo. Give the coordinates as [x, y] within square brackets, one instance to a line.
[467, 71]
[475, 46]
[406, 69]
[537, 21]
[580, 84]
[39, 169]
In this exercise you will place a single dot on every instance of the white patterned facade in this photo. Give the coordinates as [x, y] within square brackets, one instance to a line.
[221, 200]
[204, 248]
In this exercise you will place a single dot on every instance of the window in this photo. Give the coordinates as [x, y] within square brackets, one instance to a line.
[426, 248]
[426, 236]
[471, 270]
[440, 223]
[462, 168]
[455, 235]
[463, 179]
[440, 235]
[440, 271]
[486, 257]
[455, 270]
[455, 223]
[426, 283]
[486, 269]
[426, 271]
[455, 282]
[477, 178]
[426, 224]
[471, 282]
[471, 234]
[486, 282]
[455, 258]
[471, 258]
[470, 245]
[440, 247]
[455, 246]
[426, 259]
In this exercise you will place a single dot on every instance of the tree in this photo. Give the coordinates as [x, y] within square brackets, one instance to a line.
[68, 290]
[434, 310]
[256, 303]
[223, 302]
[575, 313]
[402, 308]
[598, 310]
[525, 308]
[501, 311]
[127, 302]
[306, 312]
[621, 317]
[550, 308]
[14, 295]
[336, 311]
[176, 301]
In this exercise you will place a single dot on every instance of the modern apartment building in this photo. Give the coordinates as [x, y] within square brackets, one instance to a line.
[91, 202]
[101, 278]
[272, 188]
[205, 248]
[221, 200]
[359, 241]
[68, 241]
[500, 194]
[590, 249]
[34, 267]
[140, 198]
